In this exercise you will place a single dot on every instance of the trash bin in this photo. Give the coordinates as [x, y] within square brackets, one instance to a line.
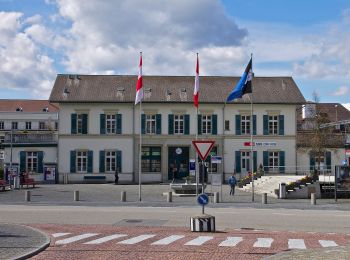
[282, 194]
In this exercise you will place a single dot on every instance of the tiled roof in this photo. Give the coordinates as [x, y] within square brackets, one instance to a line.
[32, 106]
[213, 89]
[334, 111]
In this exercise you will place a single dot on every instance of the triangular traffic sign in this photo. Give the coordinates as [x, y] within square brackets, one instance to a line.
[203, 147]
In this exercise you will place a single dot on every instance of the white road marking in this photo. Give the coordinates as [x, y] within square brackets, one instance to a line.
[231, 241]
[263, 242]
[296, 244]
[135, 240]
[327, 243]
[104, 239]
[59, 234]
[168, 240]
[75, 238]
[198, 241]
[283, 214]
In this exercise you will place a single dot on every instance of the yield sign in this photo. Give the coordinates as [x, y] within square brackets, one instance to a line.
[203, 147]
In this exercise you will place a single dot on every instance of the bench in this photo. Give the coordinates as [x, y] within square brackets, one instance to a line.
[95, 179]
[27, 181]
[3, 184]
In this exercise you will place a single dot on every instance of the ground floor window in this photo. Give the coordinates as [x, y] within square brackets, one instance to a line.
[32, 162]
[110, 161]
[81, 161]
[273, 161]
[151, 159]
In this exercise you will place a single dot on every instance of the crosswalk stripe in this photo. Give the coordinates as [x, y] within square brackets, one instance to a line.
[75, 238]
[263, 242]
[327, 243]
[198, 241]
[135, 240]
[231, 241]
[104, 239]
[59, 234]
[168, 240]
[296, 244]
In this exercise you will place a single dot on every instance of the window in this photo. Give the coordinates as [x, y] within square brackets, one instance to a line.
[227, 125]
[42, 126]
[2, 125]
[151, 159]
[320, 162]
[81, 162]
[273, 160]
[110, 123]
[14, 125]
[80, 123]
[273, 125]
[206, 124]
[2, 139]
[110, 161]
[150, 124]
[178, 124]
[32, 162]
[245, 161]
[245, 125]
[28, 125]
[56, 126]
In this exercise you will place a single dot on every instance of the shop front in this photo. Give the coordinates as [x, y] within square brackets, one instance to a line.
[178, 162]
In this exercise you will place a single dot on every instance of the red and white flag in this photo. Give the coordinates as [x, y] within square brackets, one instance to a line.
[139, 89]
[196, 85]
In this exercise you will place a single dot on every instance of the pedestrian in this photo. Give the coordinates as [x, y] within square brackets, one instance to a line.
[232, 182]
[116, 176]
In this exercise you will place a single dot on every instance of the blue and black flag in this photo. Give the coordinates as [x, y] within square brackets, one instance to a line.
[244, 85]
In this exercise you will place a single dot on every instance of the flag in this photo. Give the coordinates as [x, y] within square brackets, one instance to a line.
[196, 85]
[139, 89]
[244, 85]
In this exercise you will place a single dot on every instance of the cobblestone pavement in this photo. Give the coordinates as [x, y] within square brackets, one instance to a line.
[140, 242]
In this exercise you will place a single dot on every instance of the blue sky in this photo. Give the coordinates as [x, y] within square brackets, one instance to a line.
[309, 40]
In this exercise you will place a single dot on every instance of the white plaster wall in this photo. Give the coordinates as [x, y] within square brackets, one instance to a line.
[22, 117]
[50, 153]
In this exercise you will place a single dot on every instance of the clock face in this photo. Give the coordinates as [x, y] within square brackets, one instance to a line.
[178, 150]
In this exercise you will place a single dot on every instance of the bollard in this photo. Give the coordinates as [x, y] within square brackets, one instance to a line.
[76, 195]
[264, 198]
[27, 195]
[216, 197]
[313, 199]
[169, 196]
[123, 196]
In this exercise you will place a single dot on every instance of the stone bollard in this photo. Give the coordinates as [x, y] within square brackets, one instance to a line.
[76, 195]
[216, 197]
[169, 196]
[313, 199]
[27, 195]
[123, 196]
[264, 198]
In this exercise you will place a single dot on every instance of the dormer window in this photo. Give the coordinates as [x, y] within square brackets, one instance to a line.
[19, 109]
[46, 109]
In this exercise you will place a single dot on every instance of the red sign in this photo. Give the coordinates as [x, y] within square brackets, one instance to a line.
[203, 148]
[249, 144]
[347, 152]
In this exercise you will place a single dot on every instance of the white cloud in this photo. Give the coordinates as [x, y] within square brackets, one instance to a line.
[341, 91]
[347, 105]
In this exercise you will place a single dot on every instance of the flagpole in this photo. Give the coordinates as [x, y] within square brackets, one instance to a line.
[251, 133]
[140, 152]
[139, 81]
[196, 154]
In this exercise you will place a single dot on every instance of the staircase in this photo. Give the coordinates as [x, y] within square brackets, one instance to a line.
[268, 184]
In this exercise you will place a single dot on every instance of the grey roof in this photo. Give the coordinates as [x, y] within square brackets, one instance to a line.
[213, 89]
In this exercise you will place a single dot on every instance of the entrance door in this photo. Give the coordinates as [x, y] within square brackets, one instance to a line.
[245, 162]
[178, 160]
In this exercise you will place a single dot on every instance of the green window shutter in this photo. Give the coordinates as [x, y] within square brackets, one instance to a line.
[158, 124]
[312, 161]
[102, 124]
[171, 124]
[238, 124]
[254, 124]
[40, 162]
[187, 124]
[143, 124]
[214, 124]
[266, 124]
[266, 161]
[85, 124]
[199, 121]
[118, 123]
[281, 125]
[329, 160]
[281, 155]
[255, 157]
[22, 160]
[238, 161]
[72, 161]
[73, 124]
[102, 161]
[90, 161]
[119, 160]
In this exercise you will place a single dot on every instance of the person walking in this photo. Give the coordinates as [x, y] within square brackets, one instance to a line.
[232, 182]
[116, 176]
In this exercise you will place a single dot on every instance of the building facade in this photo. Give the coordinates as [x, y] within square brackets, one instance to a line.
[100, 126]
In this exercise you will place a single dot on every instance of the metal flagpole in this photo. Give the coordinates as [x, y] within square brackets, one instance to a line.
[140, 153]
[251, 131]
[196, 155]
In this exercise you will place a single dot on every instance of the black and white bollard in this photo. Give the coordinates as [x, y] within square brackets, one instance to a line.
[27, 195]
[169, 196]
[76, 195]
[123, 196]
[313, 199]
[203, 223]
[264, 198]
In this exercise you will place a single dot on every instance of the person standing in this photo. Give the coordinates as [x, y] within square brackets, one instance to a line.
[232, 182]
[116, 176]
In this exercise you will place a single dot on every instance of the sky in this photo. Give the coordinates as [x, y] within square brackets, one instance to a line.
[308, 40]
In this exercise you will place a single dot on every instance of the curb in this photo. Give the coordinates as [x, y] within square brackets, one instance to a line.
[37, 250]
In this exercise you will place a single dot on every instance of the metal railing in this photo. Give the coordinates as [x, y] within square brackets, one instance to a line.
[30, 138]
